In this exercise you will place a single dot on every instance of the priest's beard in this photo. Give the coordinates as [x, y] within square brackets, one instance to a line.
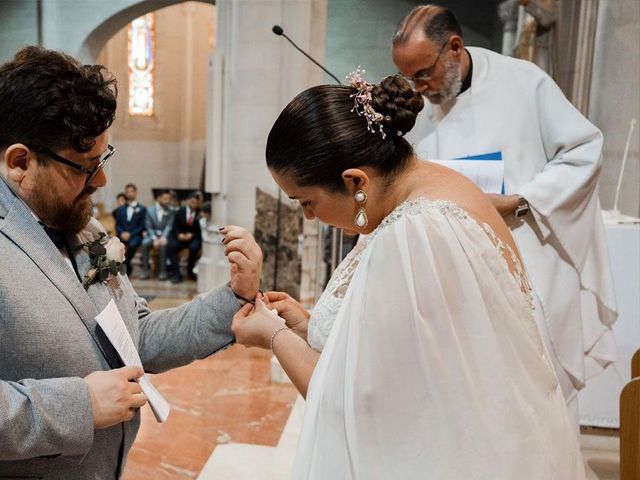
[452, 84]
[53, 212]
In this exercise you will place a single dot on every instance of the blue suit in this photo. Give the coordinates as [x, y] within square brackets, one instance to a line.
[135, 226]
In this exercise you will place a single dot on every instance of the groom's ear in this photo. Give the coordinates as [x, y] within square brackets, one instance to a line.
[355, 179]
[17, 160]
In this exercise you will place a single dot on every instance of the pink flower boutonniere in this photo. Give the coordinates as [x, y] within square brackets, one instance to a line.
[107, 259]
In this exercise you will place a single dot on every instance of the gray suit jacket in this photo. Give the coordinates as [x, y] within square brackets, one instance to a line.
[49, 341]
[156, 229]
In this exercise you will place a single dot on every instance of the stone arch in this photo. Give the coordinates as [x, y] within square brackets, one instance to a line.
[115, 20]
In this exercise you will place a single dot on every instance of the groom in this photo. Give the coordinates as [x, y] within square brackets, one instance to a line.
[68, 408]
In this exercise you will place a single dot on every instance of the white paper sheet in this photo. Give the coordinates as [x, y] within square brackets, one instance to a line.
[113, 326]
[488, 175]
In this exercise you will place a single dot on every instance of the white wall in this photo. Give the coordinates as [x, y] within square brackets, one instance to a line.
[615, 99]
[359, 32]
[18, 26]
[165, 150]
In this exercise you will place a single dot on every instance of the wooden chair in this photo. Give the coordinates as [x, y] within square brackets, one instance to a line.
[630, 424]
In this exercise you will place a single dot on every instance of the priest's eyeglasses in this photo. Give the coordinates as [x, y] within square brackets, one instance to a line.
[89, 172]
[426, 74]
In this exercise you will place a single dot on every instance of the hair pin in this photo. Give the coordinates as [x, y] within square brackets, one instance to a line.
[362, 100]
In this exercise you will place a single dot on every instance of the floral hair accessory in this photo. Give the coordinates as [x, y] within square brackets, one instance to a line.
[362, 101]
[107, 259]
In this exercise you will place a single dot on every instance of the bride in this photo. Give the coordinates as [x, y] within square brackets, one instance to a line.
[421, 359]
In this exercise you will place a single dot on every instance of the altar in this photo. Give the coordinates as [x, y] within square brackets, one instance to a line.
[599, 400]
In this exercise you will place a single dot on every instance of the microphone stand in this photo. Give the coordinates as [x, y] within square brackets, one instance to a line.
[277, 29]
[614, 215]
[336, 234]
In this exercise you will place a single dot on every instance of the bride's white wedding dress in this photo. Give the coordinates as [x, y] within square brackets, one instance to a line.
[432, 366]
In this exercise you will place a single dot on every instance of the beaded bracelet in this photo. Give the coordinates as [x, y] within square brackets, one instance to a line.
[273, 336]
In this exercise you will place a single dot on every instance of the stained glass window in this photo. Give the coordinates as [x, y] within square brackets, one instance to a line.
[141, 65]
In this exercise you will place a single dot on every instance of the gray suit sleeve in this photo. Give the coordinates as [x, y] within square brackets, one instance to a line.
[169, 226]
[150, 222]
[175, 337]
[45, 418]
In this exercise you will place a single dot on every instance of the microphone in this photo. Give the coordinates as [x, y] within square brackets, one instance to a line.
[277, 29]
[624, 163]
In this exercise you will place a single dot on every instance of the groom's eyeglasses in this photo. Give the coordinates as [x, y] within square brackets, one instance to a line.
[89, 172]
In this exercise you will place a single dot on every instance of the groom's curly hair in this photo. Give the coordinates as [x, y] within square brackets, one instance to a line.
[49, 99]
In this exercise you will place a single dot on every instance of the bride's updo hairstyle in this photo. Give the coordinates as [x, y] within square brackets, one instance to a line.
[320, 134]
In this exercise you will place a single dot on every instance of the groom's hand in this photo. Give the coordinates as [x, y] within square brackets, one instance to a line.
[245, 258]
[115, 396]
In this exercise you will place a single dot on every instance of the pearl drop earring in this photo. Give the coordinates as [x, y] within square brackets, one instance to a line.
[361, 220]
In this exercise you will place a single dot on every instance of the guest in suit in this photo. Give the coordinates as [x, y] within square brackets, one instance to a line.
[159, 222]
[205, 216]
[69, 410]
[186, 233]
[121, 199]
[130, 224]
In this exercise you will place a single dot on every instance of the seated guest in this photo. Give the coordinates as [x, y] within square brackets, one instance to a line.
[205, 215]
[130, 224]
[186, 233]
[158, 224]
[121, 199]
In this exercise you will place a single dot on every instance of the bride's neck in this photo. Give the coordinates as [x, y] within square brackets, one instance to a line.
[403, 187]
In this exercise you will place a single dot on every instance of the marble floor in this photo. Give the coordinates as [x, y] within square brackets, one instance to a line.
[226, 398]
[230, 421]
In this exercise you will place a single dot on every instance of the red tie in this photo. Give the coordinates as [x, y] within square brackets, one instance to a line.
[190, 219]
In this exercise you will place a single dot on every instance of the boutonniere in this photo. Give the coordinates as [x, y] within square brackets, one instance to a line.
[107, 259]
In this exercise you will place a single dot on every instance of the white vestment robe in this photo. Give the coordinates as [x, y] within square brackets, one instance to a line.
[552, 158]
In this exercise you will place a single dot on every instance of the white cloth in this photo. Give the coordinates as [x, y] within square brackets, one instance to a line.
[131, 209]
[160, 212]
[433, 367]
[189, 215]
[552, 158]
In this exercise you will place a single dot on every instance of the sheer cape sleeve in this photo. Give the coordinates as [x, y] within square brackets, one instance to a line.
[434, 367]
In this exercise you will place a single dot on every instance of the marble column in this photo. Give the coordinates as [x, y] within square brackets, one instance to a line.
[278, 231]
[255, 74]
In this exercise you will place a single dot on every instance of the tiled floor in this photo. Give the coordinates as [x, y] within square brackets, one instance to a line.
[225, 398]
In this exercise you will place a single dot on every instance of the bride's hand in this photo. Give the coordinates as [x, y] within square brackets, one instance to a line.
[254, 326]
[294, 314]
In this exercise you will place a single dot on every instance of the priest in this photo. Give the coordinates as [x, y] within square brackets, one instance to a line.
[481, 102]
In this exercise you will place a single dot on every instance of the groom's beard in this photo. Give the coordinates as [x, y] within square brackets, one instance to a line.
[68, 218]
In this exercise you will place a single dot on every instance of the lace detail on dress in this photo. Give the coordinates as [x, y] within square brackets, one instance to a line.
[519, 273]
[326, 309]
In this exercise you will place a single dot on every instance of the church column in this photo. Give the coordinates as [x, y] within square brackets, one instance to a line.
[260, 74]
